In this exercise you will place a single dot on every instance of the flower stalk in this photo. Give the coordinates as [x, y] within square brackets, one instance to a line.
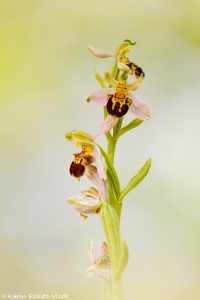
[105, 198]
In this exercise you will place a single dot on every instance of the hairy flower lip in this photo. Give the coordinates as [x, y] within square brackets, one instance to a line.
[76, 169]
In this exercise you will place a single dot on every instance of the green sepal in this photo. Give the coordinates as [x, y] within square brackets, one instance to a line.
[79, 136]
[100, 80]
[111, 172]
[136, 179]
[124, 76]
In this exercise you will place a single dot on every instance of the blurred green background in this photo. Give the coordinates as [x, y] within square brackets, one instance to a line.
[46, 74]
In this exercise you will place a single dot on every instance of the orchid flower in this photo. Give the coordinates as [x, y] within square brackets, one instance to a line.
[90, 201]
[123, 62]
[87, 203]
[101, 265]
[118, 100]
[89, 155]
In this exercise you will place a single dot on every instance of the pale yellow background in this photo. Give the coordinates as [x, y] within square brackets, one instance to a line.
[45, 75]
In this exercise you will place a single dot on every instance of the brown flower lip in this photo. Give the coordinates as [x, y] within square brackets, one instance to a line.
[77, 169]
[118, 107]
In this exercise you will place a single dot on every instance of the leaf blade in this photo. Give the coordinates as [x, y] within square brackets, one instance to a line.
[112, 172]
[136, 179]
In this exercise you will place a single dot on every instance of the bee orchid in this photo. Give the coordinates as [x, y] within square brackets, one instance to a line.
[123, 62]
[89, 202]
[89, 155]
[118, 100]
[101, 265]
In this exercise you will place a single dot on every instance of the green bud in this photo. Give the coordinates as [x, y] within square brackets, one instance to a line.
[77, 136]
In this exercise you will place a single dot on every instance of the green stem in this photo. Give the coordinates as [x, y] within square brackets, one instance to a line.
[111, 226]
[117, 128]
[111, 212]
[116, 282]
[111, 149]
[108, 290]
[116, 290]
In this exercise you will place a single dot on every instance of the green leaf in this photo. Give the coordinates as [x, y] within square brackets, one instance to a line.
[136, 179]
[111, 228]
[123, 259]
[111, 172]
[136, 122]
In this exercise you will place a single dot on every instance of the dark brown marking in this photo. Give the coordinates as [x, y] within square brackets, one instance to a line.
[114, 107]
[77, 169]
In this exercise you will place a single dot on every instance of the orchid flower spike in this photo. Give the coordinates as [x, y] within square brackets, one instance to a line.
[118, 100]
[89, 155]
[100, 266]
